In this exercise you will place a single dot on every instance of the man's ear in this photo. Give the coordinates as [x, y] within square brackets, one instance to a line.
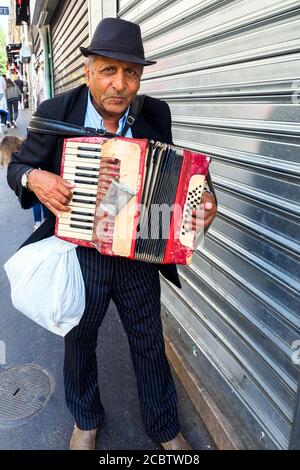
[87, 71]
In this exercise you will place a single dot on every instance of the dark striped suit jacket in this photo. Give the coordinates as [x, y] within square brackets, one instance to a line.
[44, 151]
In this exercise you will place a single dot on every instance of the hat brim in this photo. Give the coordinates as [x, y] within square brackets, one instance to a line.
[117, 55]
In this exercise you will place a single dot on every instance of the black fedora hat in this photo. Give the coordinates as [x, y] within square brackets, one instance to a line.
[118, 39]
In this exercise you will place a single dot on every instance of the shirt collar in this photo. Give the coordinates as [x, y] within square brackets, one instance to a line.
[96, 121]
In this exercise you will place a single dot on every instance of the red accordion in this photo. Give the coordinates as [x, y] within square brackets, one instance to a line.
[132, 198]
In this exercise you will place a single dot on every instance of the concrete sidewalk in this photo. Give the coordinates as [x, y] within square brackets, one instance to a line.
[27, 343]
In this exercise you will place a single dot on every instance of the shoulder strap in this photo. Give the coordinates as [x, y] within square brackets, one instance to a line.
[134, 111]
[50, 126]
[41, 125]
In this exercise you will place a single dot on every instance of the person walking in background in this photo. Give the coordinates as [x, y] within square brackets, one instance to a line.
[25, 94]
[9, 145]
[13, 96]
[4, 114]
[20, 84]
[2, 86]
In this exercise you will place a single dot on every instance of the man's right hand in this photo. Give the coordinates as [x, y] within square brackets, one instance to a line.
[52, 190]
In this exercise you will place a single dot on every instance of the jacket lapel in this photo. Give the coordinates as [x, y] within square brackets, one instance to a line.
[75, 113]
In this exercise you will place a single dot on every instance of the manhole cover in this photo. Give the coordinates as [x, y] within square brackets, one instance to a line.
[23, 392]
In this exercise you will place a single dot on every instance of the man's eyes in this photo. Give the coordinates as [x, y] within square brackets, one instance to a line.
[109, 69]
[128, 72]
[131, 72]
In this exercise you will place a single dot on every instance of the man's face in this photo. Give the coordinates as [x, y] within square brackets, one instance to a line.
[113, 85]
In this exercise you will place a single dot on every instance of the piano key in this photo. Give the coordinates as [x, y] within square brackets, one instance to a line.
[88, 175]
[81, 227]
[78, 156]
[71, 160]
[71, 220]
[85, 181]
[77, 224]
[87, 168]
[81, 212]
[67, 222]
[87, 145]
[81, 186]
[81, 223]
[89, 148]
[89, 198]
[87, 155]
[74, 233]
[85, 194]
[72, 166]
[86, 213]
[94, 199]
[81, 205]
[71, 175]
[86, 198]
[81, 149]
[88, 190]
[71, 171]
[86, 201]
[78, 219]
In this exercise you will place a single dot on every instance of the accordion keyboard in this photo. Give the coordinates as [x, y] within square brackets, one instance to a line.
[81, 166]
[92, 167]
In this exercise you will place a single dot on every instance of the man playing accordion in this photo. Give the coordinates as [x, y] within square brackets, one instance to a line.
[114, 67]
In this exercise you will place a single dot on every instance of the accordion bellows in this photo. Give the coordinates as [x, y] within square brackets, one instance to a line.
[155, 187]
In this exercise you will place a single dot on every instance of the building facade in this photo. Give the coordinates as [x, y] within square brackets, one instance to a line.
[18, 48]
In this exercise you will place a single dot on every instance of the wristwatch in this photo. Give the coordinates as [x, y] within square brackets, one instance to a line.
[24, 179]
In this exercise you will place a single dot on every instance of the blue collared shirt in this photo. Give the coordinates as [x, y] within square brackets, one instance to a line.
[93, 119]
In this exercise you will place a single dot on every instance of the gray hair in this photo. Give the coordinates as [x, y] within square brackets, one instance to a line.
[90, 60]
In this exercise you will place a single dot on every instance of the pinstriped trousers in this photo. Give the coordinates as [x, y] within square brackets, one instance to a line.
[135, 289]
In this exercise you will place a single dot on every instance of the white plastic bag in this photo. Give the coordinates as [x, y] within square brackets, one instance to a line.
[47, 284]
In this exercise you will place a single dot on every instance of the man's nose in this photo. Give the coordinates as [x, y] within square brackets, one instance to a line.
[118, 81]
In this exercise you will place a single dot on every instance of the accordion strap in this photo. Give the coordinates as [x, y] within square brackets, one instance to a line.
[134, 111]
[41, 125]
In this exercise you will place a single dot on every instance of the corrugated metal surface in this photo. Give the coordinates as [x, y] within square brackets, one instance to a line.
[69, 30]
[36, 68]
[230, 71]
[36, 43]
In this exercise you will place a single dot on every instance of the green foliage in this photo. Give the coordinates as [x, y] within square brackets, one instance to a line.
[3, 56]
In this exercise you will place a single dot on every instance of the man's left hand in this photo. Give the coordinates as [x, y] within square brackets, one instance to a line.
[203, 217]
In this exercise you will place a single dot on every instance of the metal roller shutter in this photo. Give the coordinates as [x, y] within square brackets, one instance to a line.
[35, 67]
[230, 71]
[69, 30]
